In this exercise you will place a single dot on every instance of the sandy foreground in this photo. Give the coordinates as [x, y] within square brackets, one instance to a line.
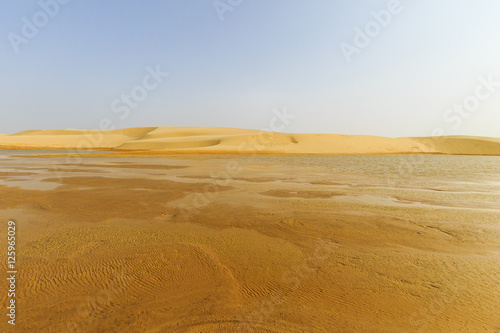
[406, 243]
[211, 140]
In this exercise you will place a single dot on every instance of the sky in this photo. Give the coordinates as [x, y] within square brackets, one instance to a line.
[387, 68]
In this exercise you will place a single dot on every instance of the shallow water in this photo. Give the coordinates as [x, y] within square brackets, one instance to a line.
[470, 176]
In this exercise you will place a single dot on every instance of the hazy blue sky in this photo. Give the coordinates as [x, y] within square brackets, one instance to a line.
[231, 63]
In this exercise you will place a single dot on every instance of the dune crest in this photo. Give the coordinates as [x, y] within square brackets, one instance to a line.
[219, 140]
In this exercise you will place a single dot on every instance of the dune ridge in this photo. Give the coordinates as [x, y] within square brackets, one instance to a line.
[221, 140]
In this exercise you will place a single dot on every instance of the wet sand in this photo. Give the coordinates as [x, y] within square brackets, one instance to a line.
[254, 244]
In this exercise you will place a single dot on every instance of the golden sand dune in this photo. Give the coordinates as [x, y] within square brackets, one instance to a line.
[212, 140]
[69, 138]
[463, 144]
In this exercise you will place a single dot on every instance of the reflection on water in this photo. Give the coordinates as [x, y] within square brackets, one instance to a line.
[398, 165]
[475, 175]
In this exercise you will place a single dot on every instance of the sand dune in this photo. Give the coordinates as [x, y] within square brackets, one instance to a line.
[215, 140]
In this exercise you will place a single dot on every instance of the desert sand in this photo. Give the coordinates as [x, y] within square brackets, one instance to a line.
[404, 243]
[210, 140]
